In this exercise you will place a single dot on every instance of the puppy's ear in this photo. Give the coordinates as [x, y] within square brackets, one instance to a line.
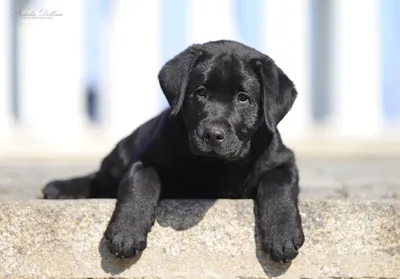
[278, 92]
[174, 76]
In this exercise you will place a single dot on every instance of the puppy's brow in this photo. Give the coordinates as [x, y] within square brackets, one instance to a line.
[205, 68]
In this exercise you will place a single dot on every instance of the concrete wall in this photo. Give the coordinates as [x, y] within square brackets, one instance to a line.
[198, 239]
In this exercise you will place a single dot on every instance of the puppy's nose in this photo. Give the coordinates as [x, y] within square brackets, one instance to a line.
[214, 135]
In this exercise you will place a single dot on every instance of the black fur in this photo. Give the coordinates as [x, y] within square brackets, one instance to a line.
[218, 140]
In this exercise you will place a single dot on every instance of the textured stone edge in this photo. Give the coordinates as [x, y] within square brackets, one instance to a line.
[71, 245]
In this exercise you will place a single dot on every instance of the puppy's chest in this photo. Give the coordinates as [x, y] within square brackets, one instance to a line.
[206, 183]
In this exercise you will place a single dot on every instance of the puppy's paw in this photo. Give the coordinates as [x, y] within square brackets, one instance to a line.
[54, 190]
[124, 241]
[69, 189]
[283, 241]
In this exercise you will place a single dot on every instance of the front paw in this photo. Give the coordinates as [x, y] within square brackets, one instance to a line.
[124, 240]
[282, 241]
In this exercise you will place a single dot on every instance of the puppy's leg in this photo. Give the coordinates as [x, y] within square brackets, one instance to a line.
[134, 214]
[101, 184]
[280, 221]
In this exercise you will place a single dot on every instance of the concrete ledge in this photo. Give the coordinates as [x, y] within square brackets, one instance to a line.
[197, 239]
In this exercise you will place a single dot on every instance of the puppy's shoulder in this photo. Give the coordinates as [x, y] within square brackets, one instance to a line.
[135, 143]
[277, 153]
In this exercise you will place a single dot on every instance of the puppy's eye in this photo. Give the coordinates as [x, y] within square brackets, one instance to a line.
[242, 97]
[201, 92]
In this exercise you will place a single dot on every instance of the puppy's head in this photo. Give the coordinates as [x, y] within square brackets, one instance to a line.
[225, 91]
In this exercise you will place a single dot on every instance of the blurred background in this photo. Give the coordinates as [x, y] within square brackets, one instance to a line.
[77, 76]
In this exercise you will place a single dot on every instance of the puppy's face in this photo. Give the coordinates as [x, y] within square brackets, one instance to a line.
[223, 106]
[225, 91]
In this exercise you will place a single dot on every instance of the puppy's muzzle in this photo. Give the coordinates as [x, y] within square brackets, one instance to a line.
[214, 134]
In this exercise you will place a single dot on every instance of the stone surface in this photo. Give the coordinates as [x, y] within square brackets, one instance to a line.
[198, 239]
[333, 178]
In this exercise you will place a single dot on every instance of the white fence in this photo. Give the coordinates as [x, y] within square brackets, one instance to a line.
[331, 49]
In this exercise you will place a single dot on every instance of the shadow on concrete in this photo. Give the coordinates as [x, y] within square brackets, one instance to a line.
[110, 263]
[182, 214]
[271, 268]
[185, 214]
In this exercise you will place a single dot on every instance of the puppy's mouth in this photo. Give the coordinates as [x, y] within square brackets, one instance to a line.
[230, 157]
[213, 154]
[230, 151]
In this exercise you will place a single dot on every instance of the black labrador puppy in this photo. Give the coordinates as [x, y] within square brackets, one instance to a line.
[218, 140]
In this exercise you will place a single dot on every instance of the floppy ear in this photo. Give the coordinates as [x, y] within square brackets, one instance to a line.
[278, 93]
[174, 76]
